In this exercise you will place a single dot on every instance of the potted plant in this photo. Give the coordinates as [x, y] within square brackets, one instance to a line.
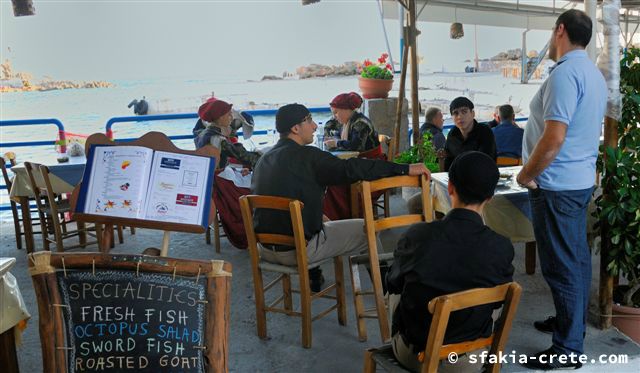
[423, 152]
[376, 79]
[621, 212]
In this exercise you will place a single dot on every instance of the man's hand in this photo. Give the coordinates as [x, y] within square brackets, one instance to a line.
[417, 169]
[245, 171]
[525, 182]
[331, 143]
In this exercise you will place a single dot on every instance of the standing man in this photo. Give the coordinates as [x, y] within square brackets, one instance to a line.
[560, 148]
[293, 170]
[433, 122]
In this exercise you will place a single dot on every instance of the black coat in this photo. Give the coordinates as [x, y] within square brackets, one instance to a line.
[303, 173]
[454, 254]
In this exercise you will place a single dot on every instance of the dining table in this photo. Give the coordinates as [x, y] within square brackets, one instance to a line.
[64, 177]
[508, 213]
[13, 315]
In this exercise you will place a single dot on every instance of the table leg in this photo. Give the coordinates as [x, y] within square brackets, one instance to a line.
[107, 238]
[530, 257]
[8, 351]
[26, 222]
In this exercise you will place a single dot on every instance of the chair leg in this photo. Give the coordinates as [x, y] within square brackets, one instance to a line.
[387, 209]
[286, 290]
[305, 308]
[261, 315]
[16, 225]
[120, 234]
[207, 236]
[356, 287]
[45, 227]
[340, 293]
[133, 230]
[378, 296]
[216, 232]
[57, 231]
[369, 363]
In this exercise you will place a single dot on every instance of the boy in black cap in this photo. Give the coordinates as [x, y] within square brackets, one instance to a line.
[293, 170]
[468, 134]
[446, 256]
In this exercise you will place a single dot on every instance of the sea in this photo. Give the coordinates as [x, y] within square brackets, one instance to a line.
[86, 111]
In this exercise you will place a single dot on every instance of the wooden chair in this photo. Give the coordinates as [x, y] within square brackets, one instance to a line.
[50, 209]
[441, 308]
[372, 227]
[17, 218]
[248, 204]
[508, 161]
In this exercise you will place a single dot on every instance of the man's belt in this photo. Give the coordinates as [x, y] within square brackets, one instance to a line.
[279, 248]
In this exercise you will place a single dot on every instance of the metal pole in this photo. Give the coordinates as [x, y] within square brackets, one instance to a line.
[386, 38]
[590, 7]
[415, 103]
[401, 11]
[524, 73]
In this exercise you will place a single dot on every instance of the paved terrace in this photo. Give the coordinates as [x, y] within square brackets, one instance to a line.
[335, 348]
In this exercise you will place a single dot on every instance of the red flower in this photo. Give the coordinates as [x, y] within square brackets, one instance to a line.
[367, 63]
[389, 66]
[384, 55]
[382, 60]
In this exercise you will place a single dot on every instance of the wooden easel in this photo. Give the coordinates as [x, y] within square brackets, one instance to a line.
[159, 142]
[53, 272]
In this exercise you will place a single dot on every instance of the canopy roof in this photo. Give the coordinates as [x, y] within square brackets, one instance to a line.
[533, 15]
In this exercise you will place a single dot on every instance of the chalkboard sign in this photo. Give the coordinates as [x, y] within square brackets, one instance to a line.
[119, 313]
[117, 320]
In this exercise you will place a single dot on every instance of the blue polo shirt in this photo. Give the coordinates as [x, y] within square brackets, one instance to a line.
[575, 94]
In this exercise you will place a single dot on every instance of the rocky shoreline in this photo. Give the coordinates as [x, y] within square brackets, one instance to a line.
[22, 82]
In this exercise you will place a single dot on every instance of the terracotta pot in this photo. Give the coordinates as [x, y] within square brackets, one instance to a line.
[375, 88]
[627, 320]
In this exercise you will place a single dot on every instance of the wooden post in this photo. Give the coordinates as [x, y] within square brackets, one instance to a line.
[415, 104]
[401, 91]
[605, 291]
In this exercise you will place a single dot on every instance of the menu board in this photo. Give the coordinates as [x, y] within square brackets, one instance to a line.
[119, 321]
[138, 182]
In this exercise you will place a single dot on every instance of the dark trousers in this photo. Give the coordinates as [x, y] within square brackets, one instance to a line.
[560, 228]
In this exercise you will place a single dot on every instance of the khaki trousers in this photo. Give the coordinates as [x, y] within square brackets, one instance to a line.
[339, 237]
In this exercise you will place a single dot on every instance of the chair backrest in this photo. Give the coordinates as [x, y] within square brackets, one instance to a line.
[5, 174]
[376, 225]
[508, 161]
[441, 308]
[31, 168]
[249, 203]
[51, 197]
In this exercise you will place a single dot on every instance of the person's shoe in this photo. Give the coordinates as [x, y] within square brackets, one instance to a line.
[545, 326]
[316, 279]
[550, 359]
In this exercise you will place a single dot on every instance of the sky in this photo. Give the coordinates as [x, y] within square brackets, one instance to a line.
[124, 39]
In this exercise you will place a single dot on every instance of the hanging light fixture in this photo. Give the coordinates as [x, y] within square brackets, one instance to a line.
[456, 31]
[23, 8]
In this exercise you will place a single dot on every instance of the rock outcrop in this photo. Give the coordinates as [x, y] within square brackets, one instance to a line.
[317, 70]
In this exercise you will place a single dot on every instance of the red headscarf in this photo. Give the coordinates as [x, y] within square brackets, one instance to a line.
[349, 101]
[213, 109]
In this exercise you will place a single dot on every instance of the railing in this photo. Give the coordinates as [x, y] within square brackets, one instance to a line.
[35, 122]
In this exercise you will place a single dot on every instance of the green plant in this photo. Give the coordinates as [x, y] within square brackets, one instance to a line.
[380, 70]
[619, 214]
[423, 152]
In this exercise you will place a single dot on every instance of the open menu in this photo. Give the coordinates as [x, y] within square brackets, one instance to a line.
[140, 183]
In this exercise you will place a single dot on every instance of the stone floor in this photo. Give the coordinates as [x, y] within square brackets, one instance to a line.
[335, 348]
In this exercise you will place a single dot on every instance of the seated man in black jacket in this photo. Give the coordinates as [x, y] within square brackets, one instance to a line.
[293, 170]
[453, 254]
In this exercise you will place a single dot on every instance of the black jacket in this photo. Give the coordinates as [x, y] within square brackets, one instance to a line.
[480, 139]
[454, 254]
[303, 172]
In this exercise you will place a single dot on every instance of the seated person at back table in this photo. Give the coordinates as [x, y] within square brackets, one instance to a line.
[217, 117]
[433, 122]
[357, 132]
[508, 135]
[446, 256]
[468, 134]
[292, 170]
